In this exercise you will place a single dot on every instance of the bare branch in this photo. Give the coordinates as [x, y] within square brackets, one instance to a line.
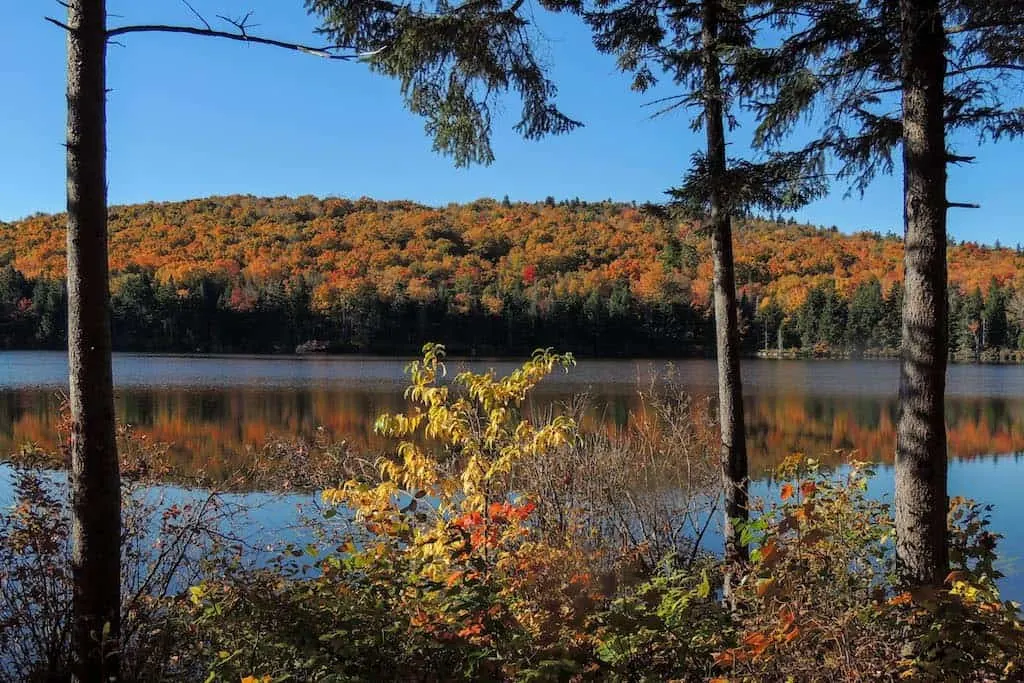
[662, 100]
[962, 205]
[327, 52]
[61, 24]
[241, 24]
[198, 15]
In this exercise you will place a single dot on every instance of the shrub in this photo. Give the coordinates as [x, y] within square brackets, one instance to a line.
[165, 541]
[822, 599]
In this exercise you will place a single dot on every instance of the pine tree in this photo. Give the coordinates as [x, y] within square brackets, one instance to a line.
[968, 339]
[867, 310]
[888, 75]
[692, 42]
[1015, 318]
[994, 317]
[892, 318]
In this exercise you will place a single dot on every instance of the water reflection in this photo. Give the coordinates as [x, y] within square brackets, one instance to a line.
[210, 426]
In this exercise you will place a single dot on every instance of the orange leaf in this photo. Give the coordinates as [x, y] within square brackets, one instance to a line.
[901, 599]
[792, 634]
[807, 489]
[786, 492]
[472, 630]
[758, 643]
[728, 657]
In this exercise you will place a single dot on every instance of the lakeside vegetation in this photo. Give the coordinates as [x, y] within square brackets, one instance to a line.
[248, 274]
[522, 549]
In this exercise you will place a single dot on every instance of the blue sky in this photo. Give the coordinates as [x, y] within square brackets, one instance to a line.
[192, 117]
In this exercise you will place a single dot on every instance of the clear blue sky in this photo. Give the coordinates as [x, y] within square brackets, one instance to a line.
[191, 117]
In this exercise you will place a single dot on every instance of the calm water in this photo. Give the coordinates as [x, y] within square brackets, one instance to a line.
[213, 408]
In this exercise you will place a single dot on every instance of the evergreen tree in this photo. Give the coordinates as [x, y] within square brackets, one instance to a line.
[902, 74]
[969, 328]
[890, 327]
[15, 322]
[867, 309]
[994, 319]
[1015, 316]
[769, 323]
[692, 42]
[50, 309]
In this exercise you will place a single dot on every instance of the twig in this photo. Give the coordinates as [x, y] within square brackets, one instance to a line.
[958, 159]
[59, 23]
[200, 16]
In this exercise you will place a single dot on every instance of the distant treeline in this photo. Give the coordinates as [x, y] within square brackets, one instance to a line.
[278, 317]
[268, 275]
[983, 326]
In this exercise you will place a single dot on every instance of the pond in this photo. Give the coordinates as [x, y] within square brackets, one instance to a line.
[214, 409]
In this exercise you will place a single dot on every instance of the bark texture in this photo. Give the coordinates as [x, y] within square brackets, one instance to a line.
[95, 479]
[730, 386]
[921, 503]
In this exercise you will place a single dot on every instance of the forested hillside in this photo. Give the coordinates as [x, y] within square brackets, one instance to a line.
[253, 274]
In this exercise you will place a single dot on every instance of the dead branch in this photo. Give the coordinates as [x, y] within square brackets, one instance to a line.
[327, 52]
[198, 15]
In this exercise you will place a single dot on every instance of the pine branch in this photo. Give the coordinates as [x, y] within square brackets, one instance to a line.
[977, 26]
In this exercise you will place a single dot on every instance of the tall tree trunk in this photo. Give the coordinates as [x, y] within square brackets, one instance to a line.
[730, 387]
[921, 504]
[95, 480]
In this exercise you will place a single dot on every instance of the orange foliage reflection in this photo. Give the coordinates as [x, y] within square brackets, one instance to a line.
[216, 430]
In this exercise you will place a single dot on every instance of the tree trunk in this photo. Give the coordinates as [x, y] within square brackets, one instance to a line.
[921, 503]
[730, 388]
[95, 480]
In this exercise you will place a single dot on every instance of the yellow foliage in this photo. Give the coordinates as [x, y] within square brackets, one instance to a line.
[481, 430]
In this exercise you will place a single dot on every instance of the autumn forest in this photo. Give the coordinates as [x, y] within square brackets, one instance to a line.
[247, 274]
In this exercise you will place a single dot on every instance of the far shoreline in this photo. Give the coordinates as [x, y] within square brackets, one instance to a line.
[988, 357]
